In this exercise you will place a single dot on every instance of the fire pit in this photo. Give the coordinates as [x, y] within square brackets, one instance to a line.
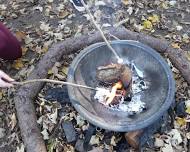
[158, 96]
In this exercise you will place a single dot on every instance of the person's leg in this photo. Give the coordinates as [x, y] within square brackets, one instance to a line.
[10, 48]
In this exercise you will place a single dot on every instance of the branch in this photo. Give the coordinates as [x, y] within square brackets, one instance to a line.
[120, 60]
[53, 81]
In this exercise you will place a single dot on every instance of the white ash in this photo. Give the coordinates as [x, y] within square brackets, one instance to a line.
[138, 85]
[133, 106]
[101, 94]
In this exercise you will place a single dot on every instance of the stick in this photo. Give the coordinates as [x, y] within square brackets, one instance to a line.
[101, 32]
[53, 81]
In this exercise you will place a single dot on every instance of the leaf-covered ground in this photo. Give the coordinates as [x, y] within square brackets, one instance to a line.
[40, 23]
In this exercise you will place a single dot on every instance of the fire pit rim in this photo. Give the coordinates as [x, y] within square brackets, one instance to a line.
[121, 127]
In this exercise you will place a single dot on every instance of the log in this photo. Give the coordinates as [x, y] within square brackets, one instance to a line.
[180, 61]
[133, 138]
[26, 94]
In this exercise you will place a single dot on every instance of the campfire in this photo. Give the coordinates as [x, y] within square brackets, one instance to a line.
[120, 87]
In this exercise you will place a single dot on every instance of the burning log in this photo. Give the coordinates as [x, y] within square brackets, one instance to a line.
[119, 75]
[113, 93]
[129, 82]
[113, 73]
[109, 74]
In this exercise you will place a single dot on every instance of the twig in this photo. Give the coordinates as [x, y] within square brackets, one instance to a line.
[101, 32]
[114, 36]
[57, 127]
[121, 22]
[53, 81]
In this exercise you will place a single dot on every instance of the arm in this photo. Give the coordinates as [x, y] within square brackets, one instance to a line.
[10, 48]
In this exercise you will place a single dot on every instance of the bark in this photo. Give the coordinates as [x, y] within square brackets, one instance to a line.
[180, 61]
[26, 94]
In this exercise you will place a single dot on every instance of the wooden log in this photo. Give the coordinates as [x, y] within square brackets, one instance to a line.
[26, 94]
[180, 61]
[133, 138]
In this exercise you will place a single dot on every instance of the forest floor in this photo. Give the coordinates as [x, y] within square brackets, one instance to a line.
[40, 23]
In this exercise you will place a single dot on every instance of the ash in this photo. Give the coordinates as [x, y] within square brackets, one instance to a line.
[132, 106]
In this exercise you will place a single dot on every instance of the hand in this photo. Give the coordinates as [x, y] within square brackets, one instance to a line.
[5, 80]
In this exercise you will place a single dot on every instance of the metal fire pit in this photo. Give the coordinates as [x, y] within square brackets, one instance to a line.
[158, 97]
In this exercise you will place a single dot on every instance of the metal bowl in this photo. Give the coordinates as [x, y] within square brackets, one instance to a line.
[158, 97]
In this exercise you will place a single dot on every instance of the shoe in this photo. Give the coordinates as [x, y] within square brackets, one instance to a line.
[78, 5]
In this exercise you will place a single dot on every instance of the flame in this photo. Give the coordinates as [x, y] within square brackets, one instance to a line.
[112, 94]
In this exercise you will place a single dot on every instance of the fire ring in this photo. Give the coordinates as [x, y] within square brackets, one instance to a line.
[158, 97]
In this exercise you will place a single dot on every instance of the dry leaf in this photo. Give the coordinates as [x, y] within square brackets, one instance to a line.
[28, 39]
[127, 2]
[50, 72]
[164, 5]
[44, 49]
[94, 140]
[50, 1]
[60, 77]
[45, 134]
[188, 55]
[179, 28]
[20, 35]
[187, 103]
[2, 7]
[53, 117]
[13, 121]
[1, 95]
[147, 25]
[113, 141]
[2, 132]
[39, 49]
[176, 138]
[24, 50]
[65, 70]
[40, 120]
[80, 121]
[167, 148]
[172, 3]
[154, 19]
[181, 121]
[18, 64]
[63, 14]
[175, 45]
[46, 46]
[38, 8]
[55, 69]
[158, 142]
[20, 148]
[45, 27]
[51, 147]
[188, 135]
[87, 17]
[58, 36]
[100, 3]
[130, 10]
[185, 38]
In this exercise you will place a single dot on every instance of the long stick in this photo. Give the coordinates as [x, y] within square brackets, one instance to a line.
[53, 81]
[120, 60]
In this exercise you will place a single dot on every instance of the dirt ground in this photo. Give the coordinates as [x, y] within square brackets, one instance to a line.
[40, 23]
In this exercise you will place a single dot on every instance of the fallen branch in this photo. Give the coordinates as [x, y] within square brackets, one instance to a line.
[180, 61]
[26, 94]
